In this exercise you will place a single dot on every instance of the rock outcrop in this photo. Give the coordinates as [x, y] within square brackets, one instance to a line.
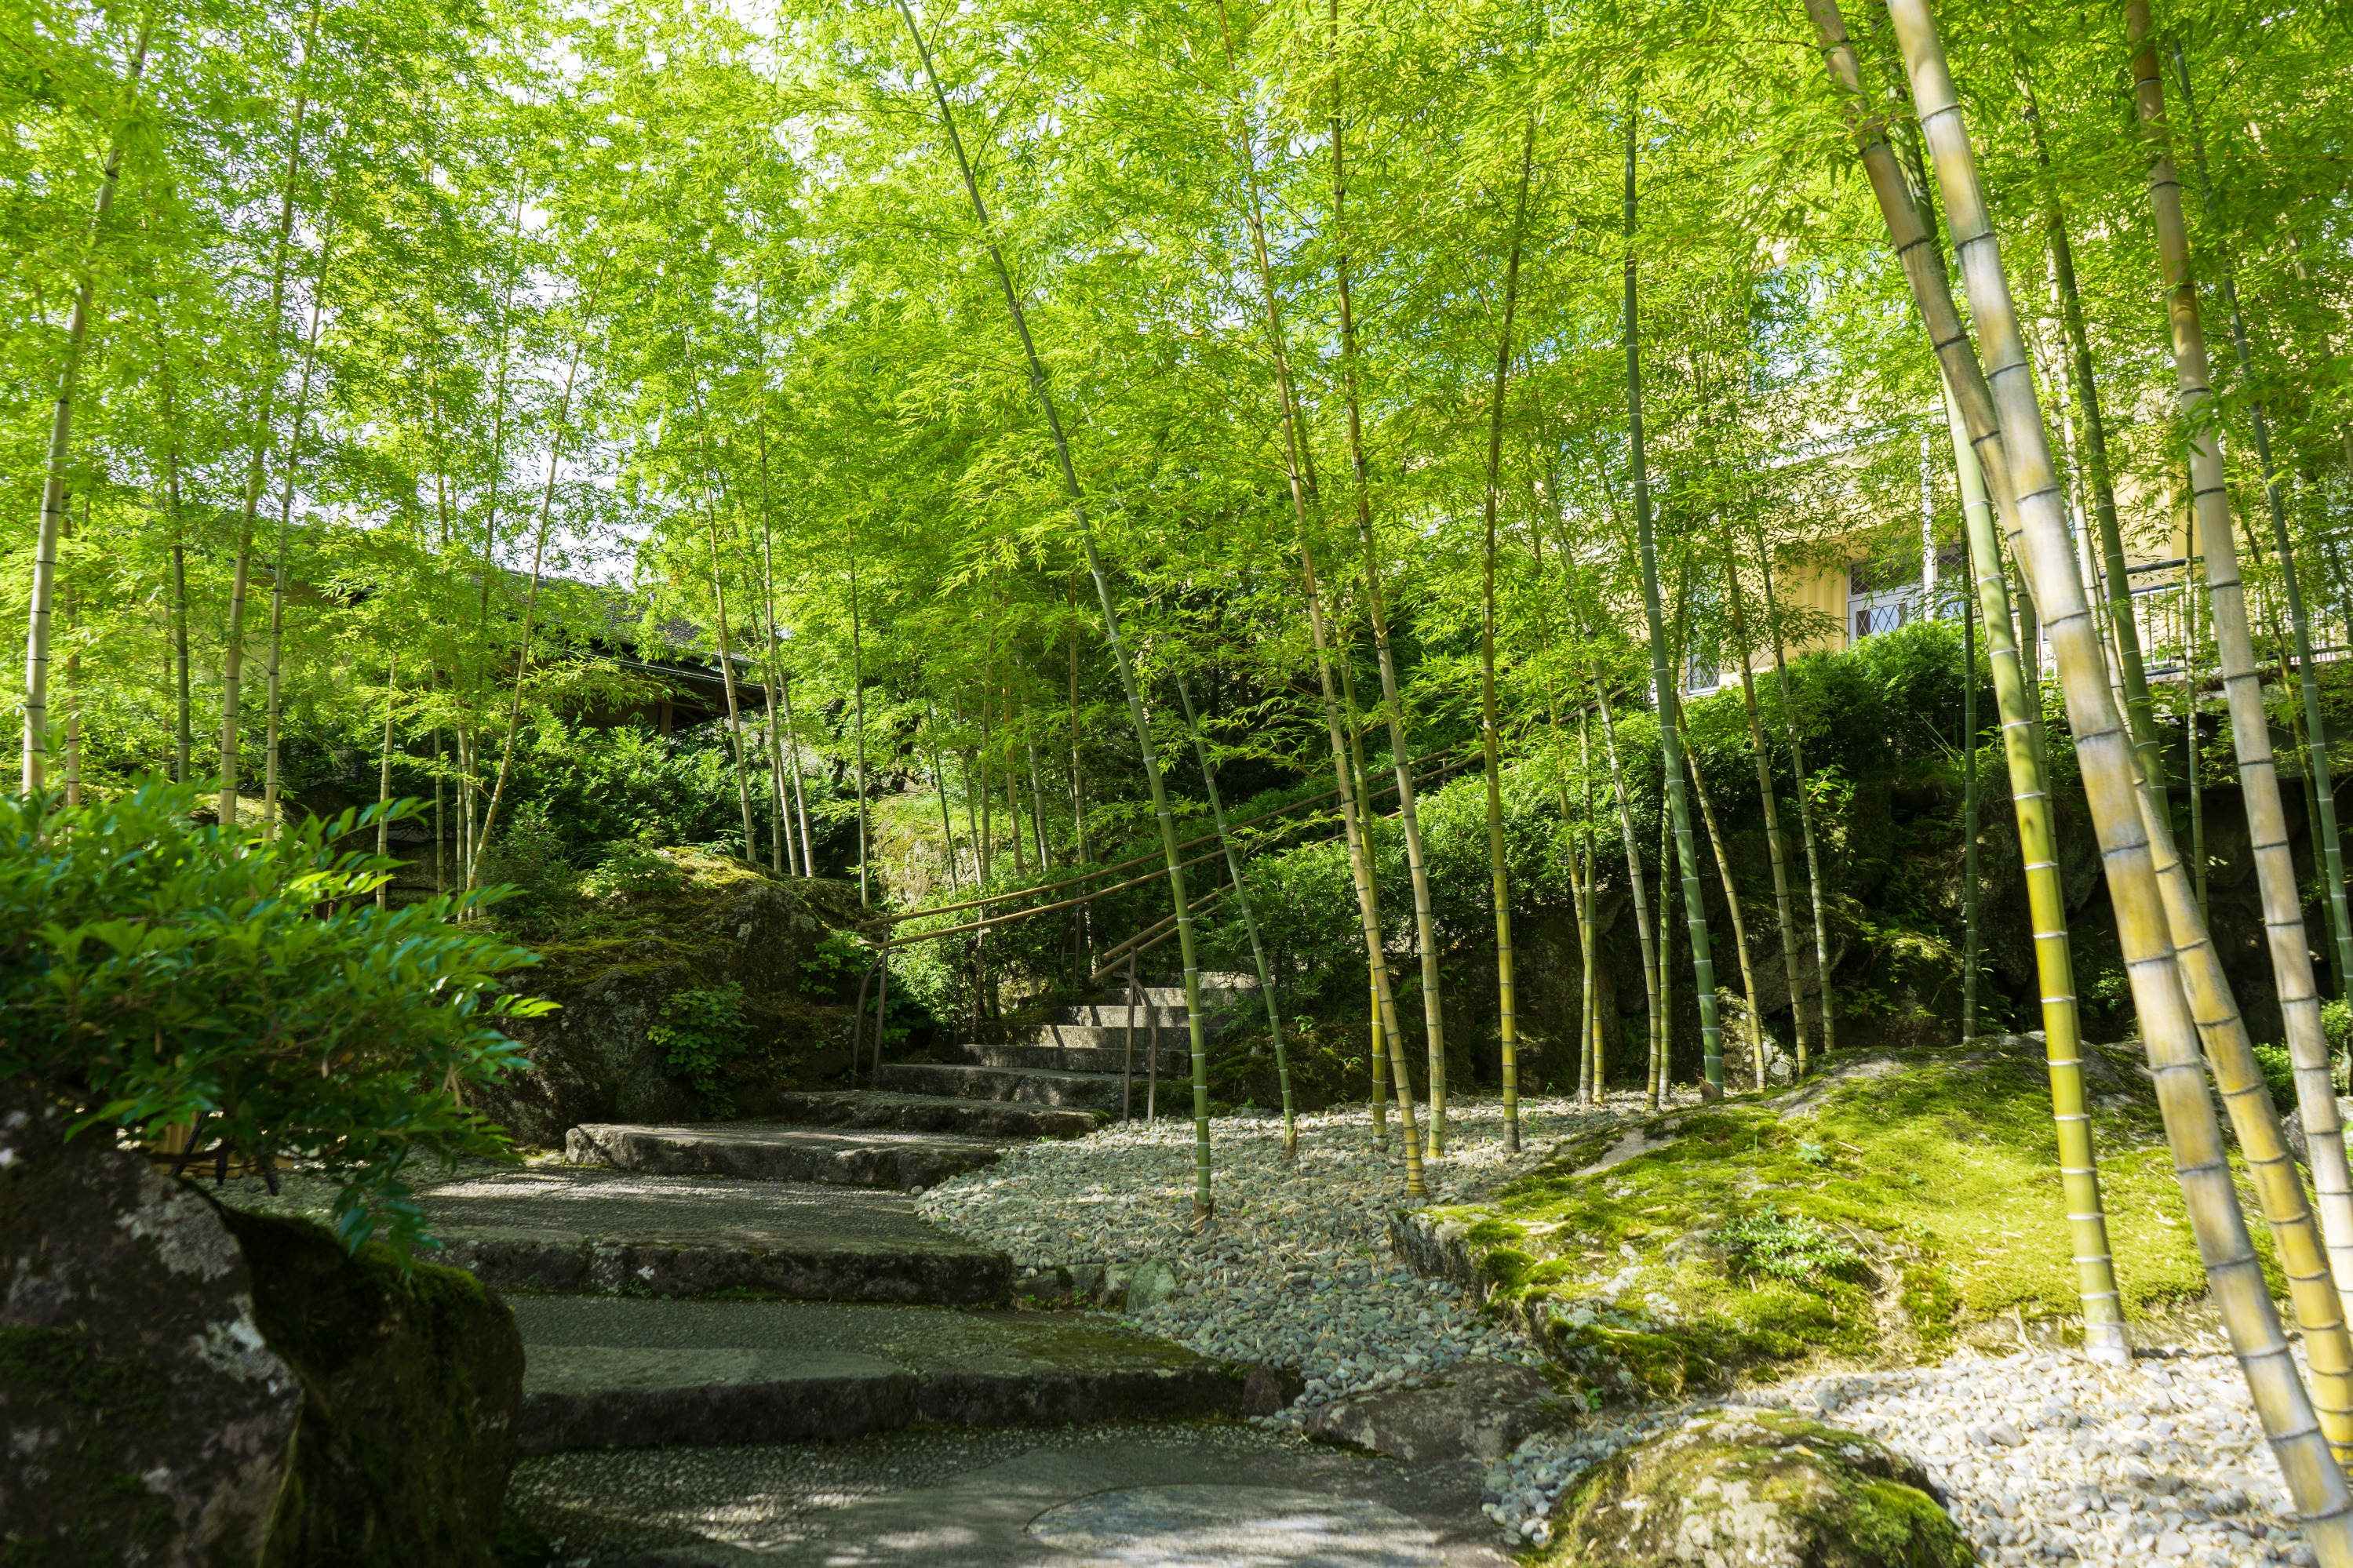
[146, 1418]
[1759, 1487]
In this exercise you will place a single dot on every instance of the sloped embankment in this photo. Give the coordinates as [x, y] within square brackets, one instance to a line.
[1885, 1211]
[689, 987]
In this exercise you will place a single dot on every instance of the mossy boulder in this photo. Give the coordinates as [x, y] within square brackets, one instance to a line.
[620, 955]
[412, 1382]
[1757, 1488]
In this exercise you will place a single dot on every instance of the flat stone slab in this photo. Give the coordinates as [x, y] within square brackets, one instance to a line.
[1476, 1410]
[1200, 1495]
[1110, 1058]
[570, 1228]
[859, 1157]
[1095, 1091]
[930, 1113]
[619, 1371]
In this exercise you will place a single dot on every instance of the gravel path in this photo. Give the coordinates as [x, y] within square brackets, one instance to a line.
[2043, 1457]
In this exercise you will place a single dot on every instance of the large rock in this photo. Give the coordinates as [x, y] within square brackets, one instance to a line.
[1759, 1488]
[724, 923]
[147, 1422]
[413, 1386]
[1476, 1410]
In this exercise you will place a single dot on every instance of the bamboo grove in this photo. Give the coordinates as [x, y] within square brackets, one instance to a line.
[1050, 432]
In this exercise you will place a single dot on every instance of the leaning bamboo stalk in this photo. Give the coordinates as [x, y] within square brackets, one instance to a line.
[1662, 681]
[53, 483]
[2242, 687]
[384, 772]
[2014, 448]
[1732, 903]
[1203, 1204]
[1590, 1039]
[1507, 1023]
[1806, 835]
[1249, 918]
[2046, 901]
[1651, 949]
[285, 524]
[1775, 850]
[257, 458]
[1408, 807]
[2319, 773]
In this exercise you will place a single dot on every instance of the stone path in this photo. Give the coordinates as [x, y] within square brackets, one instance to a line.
[1134, 1495]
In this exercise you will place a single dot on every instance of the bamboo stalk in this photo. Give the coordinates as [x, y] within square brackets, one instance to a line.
[2014, 449]
[1507, 1023]
[1661, 677]
[858, 647]
[2250, 727]
[53, 483]
[1651, 950]
[1806, 835]
[2030, 794]
[1250, 918]
[1774, 850]
[384, 772]
[270, 824]
[1590, 1039]
[1409, 809]
[2319, 770]
[1732, 903]
[1970, 817]
[1203, 1204]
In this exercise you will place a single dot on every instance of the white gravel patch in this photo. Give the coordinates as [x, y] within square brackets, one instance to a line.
[2042, 1458]
[1297, 1271]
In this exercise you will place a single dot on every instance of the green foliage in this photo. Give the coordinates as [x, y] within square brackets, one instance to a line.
[1787, 1247]
[700, 1032]
[158, 972]
[629, 869]
[834, 964]
[2279, 1074]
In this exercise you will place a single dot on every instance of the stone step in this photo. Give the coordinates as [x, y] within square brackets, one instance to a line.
[1115, 1015]
[1111, 1059]
[1107, 1037]
[930, 1113]
[853, 1157]
[554, 1227]
[623, 1373]
[1098, 1091]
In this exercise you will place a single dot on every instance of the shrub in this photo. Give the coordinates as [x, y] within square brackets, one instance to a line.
[156, 972]
[529, 855]
[838, 959]
[631, 868]
[2279, 1074]
[699, 1032]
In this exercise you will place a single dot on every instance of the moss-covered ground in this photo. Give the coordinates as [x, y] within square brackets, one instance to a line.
[1878, 1213]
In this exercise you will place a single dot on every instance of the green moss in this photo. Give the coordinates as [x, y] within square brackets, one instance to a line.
[1797, 1227]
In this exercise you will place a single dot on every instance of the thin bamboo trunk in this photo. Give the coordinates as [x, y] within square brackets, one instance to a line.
[947, 818]
[858, 661]
[481, 837]
[270, 824]
[1661, 677]
[2030, 794]
[1507, 1024]
[384, 773]
[2005, 424]
[1400, 1077]
[2190, 718]
[1969, 818]
[1774, 850]
[1038, 807]
[800, 794]
[2139, 708]
[182, 730]
[1731, 904]
[780, 842]
[1203, 1206]
[1640, 896]
[53, 483]
[1662, 1059]
[257, 461]
[1594, 1060]
[1250, 918]
[1408, 810]
[734, 708]
[2323, 783]
[1806, 835]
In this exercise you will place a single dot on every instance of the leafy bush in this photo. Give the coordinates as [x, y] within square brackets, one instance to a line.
[2279, 1073]
[1786, 1246]
[529, 855]
[156, 972]
[2336, 1023]
[699, 1032]
[838, 959]
[628, 868]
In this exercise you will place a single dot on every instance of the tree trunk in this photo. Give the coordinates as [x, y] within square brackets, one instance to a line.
[1250, 918]
[2122, 625]
[1806, 834]
[1969, 818]
[1593, 1059]
[384, 773]
[800, 795]
[1203, 1206]
[780, 838]
[233, 649]
[1661, 677]
[1409, 812]
[1507, 1024]
[53, 484]
[858, 687]
[2030, 794]
[1639, 895]
[270, 823]
[2013, 449]
[2319, 771]
[1775, 850]
[1731, 904]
